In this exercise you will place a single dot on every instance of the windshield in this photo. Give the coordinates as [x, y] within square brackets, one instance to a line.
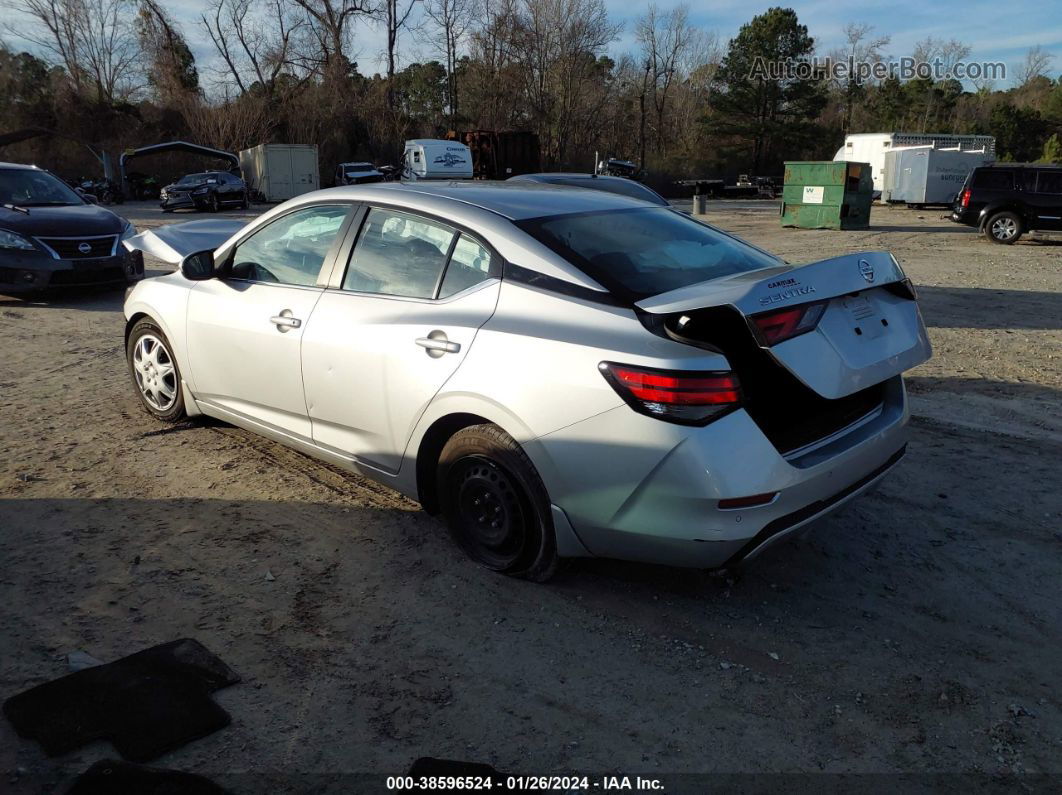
[644, 252]
[32, 188]
[195, 179]
[357, 167]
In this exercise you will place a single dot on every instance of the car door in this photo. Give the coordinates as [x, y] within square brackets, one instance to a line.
[1046, 202]
[245, 329]
[388, 335]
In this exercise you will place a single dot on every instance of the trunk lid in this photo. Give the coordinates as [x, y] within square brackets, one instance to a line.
[866, 334]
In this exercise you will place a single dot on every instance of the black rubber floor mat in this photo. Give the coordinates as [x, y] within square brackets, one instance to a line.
[111, 777]
[146, 704]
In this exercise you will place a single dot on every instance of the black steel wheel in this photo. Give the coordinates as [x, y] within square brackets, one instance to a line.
[495, 504]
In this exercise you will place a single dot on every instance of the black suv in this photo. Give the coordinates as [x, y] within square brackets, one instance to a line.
[207, 191]
[1006, 200]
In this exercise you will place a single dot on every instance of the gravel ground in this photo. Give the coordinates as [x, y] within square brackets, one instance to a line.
[915, 631]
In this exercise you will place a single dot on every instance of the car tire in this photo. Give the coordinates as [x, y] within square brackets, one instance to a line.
[495, 504]
[244, 203]
[213, 205]
[1004, 228]
[155, 372]
[167, 209]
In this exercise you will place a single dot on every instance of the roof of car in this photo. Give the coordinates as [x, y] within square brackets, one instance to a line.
[565, 175]
[513, 200]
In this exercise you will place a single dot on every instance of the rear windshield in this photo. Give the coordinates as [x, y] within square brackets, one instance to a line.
[993, 179]
[642, 252]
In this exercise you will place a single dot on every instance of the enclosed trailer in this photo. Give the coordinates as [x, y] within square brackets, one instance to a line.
[433, 158]
[920, 175]
[871, 148]
[276, 172]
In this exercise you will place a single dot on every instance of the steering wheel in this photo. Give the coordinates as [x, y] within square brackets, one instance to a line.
[254, 272]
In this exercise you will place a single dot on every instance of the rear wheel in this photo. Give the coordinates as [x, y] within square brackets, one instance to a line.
[154, 372]
[212, 203]
[1004, 227]
[495, 503]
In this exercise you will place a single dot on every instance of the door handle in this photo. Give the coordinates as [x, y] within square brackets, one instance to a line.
[438, 345]
[284, 321]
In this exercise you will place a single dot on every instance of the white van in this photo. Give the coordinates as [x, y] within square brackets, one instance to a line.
[430, 158]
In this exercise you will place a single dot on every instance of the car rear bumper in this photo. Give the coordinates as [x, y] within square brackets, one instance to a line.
[30, 274]
[655, 496]
[964, 216]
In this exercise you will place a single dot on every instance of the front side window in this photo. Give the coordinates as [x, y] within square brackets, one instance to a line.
[644, 252]
[292, 249]
[398, 254]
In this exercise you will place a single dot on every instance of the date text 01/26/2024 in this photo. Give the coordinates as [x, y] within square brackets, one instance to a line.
[565, 784]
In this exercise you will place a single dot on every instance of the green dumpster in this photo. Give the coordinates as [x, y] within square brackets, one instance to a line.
[827, 194]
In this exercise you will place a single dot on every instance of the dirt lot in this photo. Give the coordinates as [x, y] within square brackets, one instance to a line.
[916, 631]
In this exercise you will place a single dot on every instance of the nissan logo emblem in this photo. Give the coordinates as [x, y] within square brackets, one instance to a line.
[867, 270]
[85, 248]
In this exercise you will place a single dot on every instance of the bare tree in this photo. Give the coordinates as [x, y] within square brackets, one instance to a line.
[396, 16]
[330, 22]
[452, 18]
[558, 44]
[860, 48]
[255, 39]
[93, 40]
[1037, 62]
[664, 39]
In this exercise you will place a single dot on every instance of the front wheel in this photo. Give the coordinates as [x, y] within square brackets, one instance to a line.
[1004, 227]
[213, 204]
[154, 372]
[495, 503]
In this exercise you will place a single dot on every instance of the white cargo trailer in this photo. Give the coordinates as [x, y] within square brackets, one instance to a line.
[280, 171]
[871, 148]
[431, 158]
[920, 175]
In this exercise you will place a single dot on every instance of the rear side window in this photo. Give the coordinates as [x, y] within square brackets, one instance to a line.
[1049, 182]
[469, 265]
[398, 254]
[994, 179]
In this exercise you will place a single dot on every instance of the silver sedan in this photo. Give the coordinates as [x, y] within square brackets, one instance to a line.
[558, 372]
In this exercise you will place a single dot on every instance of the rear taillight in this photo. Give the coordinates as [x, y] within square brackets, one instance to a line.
[965, 200]
[689, 397]
[784, 324]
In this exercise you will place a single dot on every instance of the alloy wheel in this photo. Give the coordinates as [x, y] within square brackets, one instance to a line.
[1004, 228]
[155, 373]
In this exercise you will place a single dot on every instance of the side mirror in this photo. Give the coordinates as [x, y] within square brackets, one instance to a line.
[199, 266]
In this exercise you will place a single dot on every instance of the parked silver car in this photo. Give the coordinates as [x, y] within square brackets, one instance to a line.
[559, 372]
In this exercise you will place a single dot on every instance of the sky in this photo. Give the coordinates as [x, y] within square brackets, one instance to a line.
[977, 23]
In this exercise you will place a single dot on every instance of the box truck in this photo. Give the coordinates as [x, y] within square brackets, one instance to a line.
[276, 172]
[871, 148]
[431, 158]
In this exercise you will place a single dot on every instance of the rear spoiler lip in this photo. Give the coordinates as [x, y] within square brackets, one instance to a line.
[173, 242]
[785, 285]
